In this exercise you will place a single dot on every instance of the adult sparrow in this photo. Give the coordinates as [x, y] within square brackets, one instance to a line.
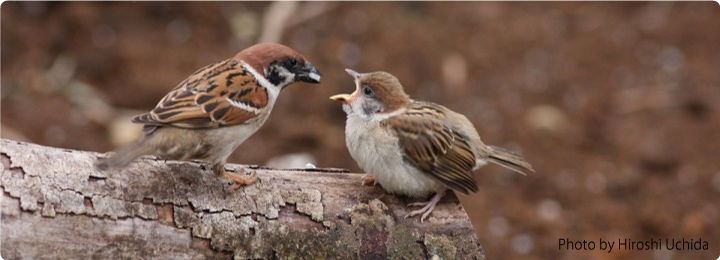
[413, 147]
[209, 114]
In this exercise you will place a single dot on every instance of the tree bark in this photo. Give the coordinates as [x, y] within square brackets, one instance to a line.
[55, 204]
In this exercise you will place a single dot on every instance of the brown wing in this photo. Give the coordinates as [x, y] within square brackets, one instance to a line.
[433, 147]
[217, 95]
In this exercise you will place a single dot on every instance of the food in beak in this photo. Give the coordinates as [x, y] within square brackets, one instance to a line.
[314, 76]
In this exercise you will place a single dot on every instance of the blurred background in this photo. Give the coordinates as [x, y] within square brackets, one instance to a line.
[615, 104]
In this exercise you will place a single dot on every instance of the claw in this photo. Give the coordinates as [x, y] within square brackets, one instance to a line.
[427, 207]
[368, 179]
[241, 181]
[418, 204]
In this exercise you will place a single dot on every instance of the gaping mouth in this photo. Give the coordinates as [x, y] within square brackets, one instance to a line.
[344, 98]
[354, 74]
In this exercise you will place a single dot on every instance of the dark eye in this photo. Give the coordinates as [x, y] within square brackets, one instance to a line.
[293, 62]
[367, 91]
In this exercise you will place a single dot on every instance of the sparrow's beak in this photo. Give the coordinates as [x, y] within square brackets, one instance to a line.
[309, 74]
[344, 98]
[354, 74]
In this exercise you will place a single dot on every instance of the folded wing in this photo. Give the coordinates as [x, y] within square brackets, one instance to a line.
[220, 94]
[434, 148]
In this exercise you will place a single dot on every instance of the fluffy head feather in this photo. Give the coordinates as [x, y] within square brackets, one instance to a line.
[386, 89]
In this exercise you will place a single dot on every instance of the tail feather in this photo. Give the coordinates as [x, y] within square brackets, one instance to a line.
[509, 160]
[123, 156]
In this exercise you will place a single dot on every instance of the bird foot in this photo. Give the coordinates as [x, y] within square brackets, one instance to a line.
[369, 180]
[240, 180]
[418, 204]
[427, 207]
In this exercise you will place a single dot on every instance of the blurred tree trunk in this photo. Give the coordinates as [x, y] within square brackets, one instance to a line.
[55, 204]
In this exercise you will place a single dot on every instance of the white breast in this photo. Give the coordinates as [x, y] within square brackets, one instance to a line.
[234, 136]
[377, 152]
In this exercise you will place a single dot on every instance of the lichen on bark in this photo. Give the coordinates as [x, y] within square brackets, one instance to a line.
[182, 209]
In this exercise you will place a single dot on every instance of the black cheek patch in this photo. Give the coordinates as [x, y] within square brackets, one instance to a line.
[367, 110]
[275, 78]
[371, 108]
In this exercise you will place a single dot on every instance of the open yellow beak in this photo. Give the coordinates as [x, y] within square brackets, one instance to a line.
[341, 98]
[345, 98]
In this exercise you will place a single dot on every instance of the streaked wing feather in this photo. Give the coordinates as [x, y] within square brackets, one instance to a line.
[434, 148]
[217, 95]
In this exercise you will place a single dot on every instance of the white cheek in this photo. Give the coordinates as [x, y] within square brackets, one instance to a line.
[289, 76]
[357, 107]
[347, 108]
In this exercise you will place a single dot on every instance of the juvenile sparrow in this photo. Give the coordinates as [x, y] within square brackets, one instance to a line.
[414, 147]
[212, 112]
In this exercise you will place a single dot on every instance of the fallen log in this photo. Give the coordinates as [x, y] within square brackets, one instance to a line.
[55, 204]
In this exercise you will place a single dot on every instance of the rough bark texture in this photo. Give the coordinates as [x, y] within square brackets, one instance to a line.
[55, 204]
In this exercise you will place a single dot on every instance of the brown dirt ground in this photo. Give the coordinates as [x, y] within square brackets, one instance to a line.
[615, 104]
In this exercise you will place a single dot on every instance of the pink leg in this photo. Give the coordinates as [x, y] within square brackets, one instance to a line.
[241, 181]
[428, 206]
[368, 179]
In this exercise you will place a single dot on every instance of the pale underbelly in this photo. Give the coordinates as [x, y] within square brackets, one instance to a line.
[383, 160]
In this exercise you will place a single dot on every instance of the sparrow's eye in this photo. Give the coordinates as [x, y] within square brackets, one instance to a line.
[367, 91]
[293, 62]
